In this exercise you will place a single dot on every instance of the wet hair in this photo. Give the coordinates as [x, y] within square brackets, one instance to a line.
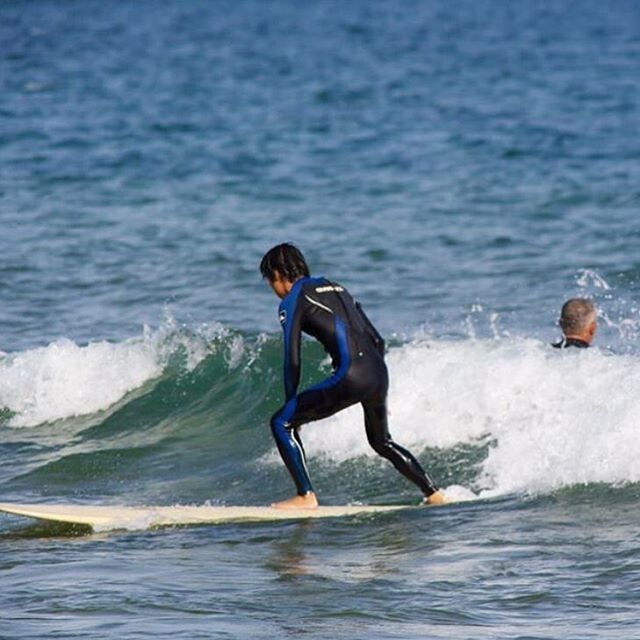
[287, 260]
[576, 315]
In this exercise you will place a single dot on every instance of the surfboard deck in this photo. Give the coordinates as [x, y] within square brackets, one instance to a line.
[104, 518]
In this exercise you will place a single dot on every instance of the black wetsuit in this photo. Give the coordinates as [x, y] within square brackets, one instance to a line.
[326, 311]
[570, 342]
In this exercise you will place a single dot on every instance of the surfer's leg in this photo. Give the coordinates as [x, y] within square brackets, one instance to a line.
[375, 417]
[290, 447]
[313, 404]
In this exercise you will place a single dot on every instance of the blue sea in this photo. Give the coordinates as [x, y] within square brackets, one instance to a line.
[463, 168]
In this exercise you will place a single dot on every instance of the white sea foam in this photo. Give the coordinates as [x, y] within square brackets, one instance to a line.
[588, 278]
[552, 418]
[65, 379]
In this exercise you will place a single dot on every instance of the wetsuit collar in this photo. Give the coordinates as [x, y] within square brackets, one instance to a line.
[571, 342]
[296, 285]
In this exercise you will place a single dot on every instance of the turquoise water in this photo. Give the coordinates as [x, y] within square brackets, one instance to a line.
[463, 169]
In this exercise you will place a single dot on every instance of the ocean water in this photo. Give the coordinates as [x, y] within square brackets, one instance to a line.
[463, 168]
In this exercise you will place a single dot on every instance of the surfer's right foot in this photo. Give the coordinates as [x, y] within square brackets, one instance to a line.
[436, 498]
[307, 501]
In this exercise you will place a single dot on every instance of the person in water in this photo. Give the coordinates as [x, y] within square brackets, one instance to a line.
[578, 321]
[326, 311]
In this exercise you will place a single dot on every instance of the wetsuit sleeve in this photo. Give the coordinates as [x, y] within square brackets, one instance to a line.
[291, 312]
[378, 340]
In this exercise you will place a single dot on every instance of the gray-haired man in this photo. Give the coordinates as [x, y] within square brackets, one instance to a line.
[578, 321]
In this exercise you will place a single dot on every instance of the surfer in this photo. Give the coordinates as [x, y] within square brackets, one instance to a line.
[326, 311]
[578, 321]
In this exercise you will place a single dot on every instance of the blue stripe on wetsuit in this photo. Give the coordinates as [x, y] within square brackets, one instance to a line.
[345, 358]
[290, 450]
[288, 308]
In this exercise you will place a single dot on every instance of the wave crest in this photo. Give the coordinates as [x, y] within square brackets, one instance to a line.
[64, 379]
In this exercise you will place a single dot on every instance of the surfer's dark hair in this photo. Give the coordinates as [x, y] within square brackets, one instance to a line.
[287, 260]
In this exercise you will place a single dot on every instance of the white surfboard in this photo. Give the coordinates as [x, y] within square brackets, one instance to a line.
[105, 518]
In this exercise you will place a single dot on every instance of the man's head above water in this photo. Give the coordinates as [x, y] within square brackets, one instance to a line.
[578, 319]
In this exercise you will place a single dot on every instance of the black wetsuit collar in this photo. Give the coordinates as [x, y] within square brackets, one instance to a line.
[296, 285]
[571, 342]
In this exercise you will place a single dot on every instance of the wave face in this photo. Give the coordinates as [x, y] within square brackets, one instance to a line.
[64, 380]
[180, 414]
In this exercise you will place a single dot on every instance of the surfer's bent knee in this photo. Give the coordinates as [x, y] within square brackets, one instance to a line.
[382, 446]
[280, 422]
[278, 427]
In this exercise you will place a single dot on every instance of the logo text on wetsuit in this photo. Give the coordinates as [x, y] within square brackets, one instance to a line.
[328, 288]
[283, 316]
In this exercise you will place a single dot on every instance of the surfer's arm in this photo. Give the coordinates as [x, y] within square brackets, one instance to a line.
[291, 318]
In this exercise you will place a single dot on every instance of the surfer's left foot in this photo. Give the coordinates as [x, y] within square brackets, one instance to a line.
[307, 501]
[436, 498]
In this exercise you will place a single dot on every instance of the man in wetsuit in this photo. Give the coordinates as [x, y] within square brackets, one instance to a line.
[326, 311]
[578, 321]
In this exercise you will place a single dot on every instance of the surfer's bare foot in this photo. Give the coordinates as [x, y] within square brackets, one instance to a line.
[436, 498]
[307, 501]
